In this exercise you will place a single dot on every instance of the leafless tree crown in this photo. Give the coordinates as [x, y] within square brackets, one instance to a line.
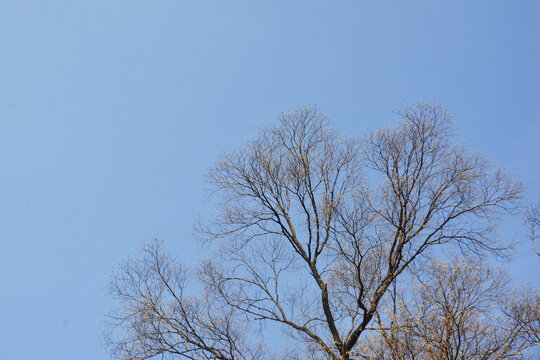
[312, 231]
[459, 309]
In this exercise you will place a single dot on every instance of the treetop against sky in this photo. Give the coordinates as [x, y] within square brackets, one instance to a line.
[111, 112]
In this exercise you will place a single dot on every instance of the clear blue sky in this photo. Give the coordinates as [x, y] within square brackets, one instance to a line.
[111, 111]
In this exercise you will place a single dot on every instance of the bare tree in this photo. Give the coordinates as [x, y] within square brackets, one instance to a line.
[313, 230]
[458, 309]
[159, 318]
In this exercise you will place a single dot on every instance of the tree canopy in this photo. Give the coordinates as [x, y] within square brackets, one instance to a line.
[342, 244]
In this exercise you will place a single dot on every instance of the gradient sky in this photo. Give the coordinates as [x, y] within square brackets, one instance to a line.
[112, 110]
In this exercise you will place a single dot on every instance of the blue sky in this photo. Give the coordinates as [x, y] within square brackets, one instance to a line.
[111, 111]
